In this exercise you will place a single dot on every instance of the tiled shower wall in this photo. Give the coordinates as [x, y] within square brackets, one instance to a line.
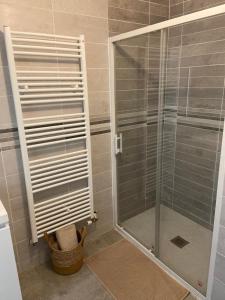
[211, 64]
[126, 15]
[193, 113]
[183, 7]
[219, 275]
[192, 133]
[137, 72]
[191, 136]
[66, 18]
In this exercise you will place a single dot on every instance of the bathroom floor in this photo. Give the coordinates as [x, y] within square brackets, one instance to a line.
[42, 283]
[189, 261]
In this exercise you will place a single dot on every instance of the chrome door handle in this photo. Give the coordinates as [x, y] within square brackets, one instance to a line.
[118, 143]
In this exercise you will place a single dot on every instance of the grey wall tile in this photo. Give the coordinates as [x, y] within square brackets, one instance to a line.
[208, 36]
[135, 5]
[161, 2]
[159, 10]
[204, 24]
[219, 268]
[118, 26]
[12, 161]
[16, 185]
[218, 290]
[12, 14]
[195, 5]
[4, 195]
[19, 208]
[176, 10]
[1, 166]
[222, 220]
[7, 113]
[203, 60]
[94, 29]
[102, 181]
[203, 49]
[85, 7]
[221, 243]
[128, 15]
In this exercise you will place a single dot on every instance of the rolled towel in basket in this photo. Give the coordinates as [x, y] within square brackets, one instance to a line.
[67, 237]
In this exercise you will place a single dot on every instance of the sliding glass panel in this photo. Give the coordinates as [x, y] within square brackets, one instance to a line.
[193, 108]
[137, 64]
[170, 129]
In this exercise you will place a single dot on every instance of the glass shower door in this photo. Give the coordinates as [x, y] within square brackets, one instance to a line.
[192, 132]
[137, 71]
[169, 124]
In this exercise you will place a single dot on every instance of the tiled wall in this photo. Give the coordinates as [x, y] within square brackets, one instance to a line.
[95, 19]
[98, 19]
[219, 272]
[69, 18]
[131, 72]
[137, 73]
[126, 15]
[219, 280]
[194, 110]
[183, 7]
[130, 67]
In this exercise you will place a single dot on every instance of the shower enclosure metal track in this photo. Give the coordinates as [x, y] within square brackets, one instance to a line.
[46, 87]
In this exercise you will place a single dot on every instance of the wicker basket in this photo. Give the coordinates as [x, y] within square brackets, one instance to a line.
[66, 262]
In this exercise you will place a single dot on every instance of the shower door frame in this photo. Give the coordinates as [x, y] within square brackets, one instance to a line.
[210, 12]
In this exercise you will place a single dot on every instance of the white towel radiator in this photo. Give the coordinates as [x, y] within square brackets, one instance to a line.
[49, 86]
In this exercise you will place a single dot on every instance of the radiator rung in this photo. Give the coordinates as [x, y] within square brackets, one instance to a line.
[75, 163]
[40, 96]
[77, 117]
[47, 54]
[55, 127]
[49, 160]
[74, 130]
[56, 142]
[59, 173]
[71, 220]
[36, 190]
[64, 162]
[61, 83]
[52, 101]
[45, 42]
[73, 209]
[51, 90]
[66, 201]
[23, 46]
[51, 202]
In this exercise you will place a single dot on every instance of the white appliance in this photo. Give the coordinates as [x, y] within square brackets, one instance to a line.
[9, 281]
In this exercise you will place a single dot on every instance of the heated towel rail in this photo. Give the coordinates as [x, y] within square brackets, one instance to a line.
[49, 85]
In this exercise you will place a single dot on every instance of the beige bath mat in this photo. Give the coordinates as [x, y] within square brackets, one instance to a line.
[130, 275]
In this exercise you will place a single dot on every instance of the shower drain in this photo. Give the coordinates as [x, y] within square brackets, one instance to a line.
[179, 242]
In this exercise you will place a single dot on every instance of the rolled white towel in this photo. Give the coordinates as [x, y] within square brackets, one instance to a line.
[67, 237]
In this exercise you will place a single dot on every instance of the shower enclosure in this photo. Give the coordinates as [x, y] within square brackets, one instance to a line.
[168, 102]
